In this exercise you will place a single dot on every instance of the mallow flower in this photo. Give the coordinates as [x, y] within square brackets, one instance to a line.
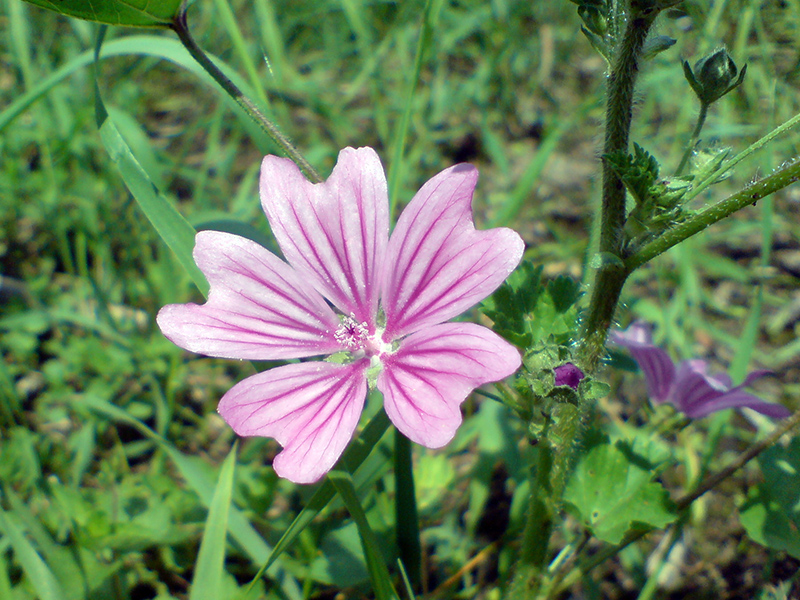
[377, 303]
[689, 387]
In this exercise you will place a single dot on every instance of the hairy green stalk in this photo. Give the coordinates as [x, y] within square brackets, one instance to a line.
[750, 195]
[180, 27]
[611, 275]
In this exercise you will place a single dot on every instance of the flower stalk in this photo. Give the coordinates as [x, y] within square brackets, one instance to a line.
[611, 276]
[750, 195]
[179, 26]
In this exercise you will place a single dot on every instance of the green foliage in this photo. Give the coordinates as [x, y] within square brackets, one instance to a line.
[658, 201]
[771, 514]
[110, 447]
[526, 310]
[131, 13]
[612, 490]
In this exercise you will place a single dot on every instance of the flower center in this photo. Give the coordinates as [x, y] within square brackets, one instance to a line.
[355, 337]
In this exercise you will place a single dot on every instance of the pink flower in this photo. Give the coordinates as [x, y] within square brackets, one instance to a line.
[387, 303]
[689, 387]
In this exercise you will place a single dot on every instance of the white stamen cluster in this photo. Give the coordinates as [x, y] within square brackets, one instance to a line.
[351, 333]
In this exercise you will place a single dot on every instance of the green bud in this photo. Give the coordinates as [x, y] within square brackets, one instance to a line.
[594, 18]
[713, 76]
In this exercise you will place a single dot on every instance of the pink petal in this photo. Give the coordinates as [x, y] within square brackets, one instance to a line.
[311, 409]
[655, 363]
[698, 394]
[737, 398]
[432, 373]
[258, 307]
[334, 232]
[437, 265]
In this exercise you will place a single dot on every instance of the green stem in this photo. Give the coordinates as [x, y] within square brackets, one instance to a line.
[530, 568]
[610, 276]
[406, 516]
[699, 187]
[180, 28]
[701, 120]
[749, 195]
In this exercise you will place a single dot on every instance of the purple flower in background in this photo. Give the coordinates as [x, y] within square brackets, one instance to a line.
[348, 287]
[568, 374]
[689, 387]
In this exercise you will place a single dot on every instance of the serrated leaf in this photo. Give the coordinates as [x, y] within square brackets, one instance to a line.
[565, 292]
[771, 516]
[611, 492]
[130, 13]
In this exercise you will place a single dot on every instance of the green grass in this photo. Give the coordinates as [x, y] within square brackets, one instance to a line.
[110, 446]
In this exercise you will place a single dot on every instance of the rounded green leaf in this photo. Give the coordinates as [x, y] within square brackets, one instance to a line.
[131, 13]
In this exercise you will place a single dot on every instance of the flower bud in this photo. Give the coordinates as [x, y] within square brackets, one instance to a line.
[713, 76]
[568, 374]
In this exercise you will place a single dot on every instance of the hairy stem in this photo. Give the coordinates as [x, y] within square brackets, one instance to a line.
[749, 195]
[180, 27]
[611, 276]
[530, 569]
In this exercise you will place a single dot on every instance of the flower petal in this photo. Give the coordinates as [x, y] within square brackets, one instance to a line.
[698, 394]
[432, 373]
[334, 232]
[258, 307]
[737, 398]
[655, 363]
[437, 265]
[311, 409]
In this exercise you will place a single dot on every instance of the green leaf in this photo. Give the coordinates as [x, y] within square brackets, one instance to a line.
[612, 489]
[130, 13]
[355, 454]
[40, 576]
[378, 572]
[195, 472]
[564, 291]
[176, 231]
[771, 515]
[210, 567]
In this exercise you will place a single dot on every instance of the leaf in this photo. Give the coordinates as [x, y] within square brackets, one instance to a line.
[378, 572]
[40, 576]
[130, 13]
[612, 490]
[355, 454]
[771, 516]
[210, 566]
[176, 231]
[192, 470]
[564, 291]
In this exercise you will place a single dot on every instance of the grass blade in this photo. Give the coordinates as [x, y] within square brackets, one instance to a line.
[356, 453]
[176, 231]
[210, 566]
[40, 576]
[378, 572]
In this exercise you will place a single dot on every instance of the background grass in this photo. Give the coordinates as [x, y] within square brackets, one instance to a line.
[110, 446]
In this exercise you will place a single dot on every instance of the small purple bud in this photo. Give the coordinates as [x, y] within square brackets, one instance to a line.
[568, 374]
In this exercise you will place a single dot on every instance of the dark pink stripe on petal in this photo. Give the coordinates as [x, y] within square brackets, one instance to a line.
[334, 232]
[432, 373]
[258, 307]
[437, 264]
[311, 409]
